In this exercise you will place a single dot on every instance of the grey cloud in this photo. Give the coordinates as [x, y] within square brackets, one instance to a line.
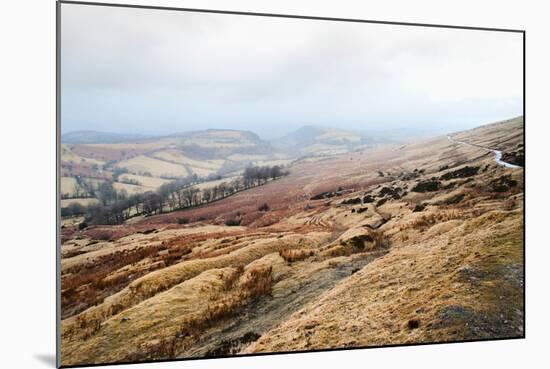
[158, 71]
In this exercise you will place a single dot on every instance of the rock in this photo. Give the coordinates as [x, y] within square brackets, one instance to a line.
[463, 172]
[455, 313]
[368, 199]
[311, 325]
[502, 184]
[427, 186]
[354, 201]
[381, 202]
[455, 199]
[470, 274]
[413, 323]
[516, 158]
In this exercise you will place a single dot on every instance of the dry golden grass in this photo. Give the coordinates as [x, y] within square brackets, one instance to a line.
[157, 168]
[425, 221]
[178, 157]
[150, 182]
[449, 271]
[414, 282]
[163, 279]
[90, 252]
[291, 255]
[211, 296]
[491, 135]
[68, 156]
[130, 188]
[68, 185]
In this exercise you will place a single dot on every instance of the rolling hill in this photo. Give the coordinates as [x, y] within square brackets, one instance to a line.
[320, 141]
[396, 244]
[140, 163]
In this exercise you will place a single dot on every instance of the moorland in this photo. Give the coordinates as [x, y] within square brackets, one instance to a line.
[216, 242]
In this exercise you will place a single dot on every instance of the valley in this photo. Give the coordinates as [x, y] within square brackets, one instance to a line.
[351, 242]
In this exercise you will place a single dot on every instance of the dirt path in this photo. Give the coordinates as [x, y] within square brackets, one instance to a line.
[498, 153]
[260, 316]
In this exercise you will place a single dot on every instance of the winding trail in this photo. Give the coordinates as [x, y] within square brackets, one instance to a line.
[498, 153]
[265, 313]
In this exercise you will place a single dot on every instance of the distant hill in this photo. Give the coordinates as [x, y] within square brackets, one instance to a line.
[220, 138]
[139, 163]
[90, 137]
[316, 140]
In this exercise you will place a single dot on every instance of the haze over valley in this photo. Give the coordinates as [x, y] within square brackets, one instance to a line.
[139, 163]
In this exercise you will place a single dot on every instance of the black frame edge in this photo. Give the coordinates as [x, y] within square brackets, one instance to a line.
[58, 183]
[294, 16]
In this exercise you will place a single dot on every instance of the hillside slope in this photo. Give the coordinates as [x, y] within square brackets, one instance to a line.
[397, 244]
[139, 164]
[320, 141]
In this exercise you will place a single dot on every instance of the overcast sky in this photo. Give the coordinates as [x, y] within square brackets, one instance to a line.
[160, 72]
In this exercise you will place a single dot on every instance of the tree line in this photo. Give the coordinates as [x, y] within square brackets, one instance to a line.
[114, 207]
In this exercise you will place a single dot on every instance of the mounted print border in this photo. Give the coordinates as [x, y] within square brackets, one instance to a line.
[300, 185]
